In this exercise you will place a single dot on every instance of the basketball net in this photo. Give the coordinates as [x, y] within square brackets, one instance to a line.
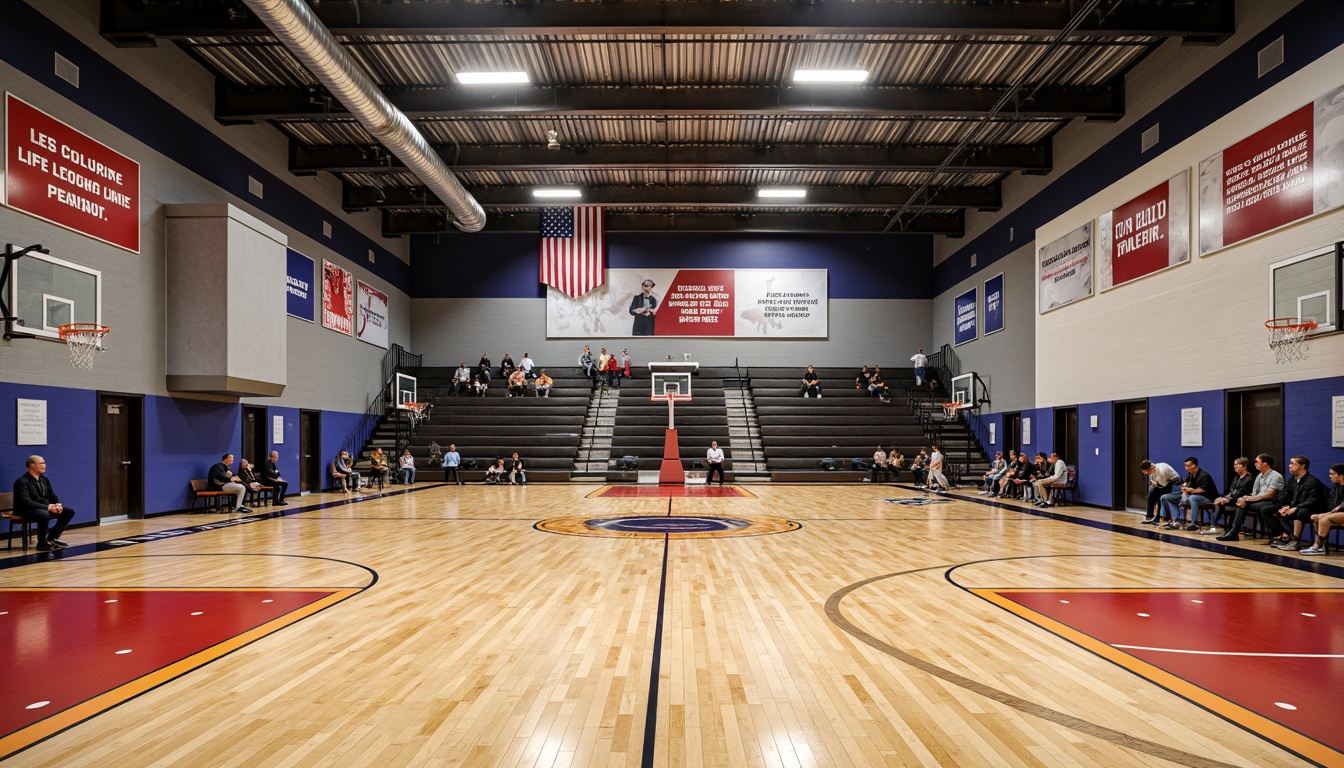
[950, 410]
[83, 340]
[1288, 338]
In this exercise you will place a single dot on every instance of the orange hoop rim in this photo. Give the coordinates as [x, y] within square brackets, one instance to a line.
[94, 329]
[669, 396]
[954, 405]
[1290, 324]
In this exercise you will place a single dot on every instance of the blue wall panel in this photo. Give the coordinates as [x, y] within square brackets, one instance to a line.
[289, 450]
[71, 449]
[506, 265]
[183, 439]
[1306, 428]
[1095, 448]
[1164, 432]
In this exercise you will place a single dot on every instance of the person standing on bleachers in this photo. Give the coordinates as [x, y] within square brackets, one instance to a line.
[613, 372]
[811, 383]
[921, 367]
[625, 365]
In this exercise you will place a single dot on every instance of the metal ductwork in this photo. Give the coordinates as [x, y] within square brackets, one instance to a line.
[299, 29]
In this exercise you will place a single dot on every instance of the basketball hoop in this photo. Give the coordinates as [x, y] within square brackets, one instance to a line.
[1288, 338]
[83, 339]
[950, 410]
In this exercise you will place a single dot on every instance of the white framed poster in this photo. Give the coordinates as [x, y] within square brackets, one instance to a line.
[1192, 427]
[31, 423]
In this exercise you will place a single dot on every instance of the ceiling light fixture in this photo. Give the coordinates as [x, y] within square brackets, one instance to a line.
[492, 78]
[830, 75]
[794, 193]
[557, 192]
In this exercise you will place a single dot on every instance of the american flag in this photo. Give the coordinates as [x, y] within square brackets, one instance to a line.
[573, 251]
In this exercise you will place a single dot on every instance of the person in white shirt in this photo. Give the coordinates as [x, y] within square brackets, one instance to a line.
[406, 466]
[1059, 474]
[921, 364]
[1161, 479]
[879, 463]
[526, 365]
[462, 380]
[714, 461]
[995, 473]
[937, 480]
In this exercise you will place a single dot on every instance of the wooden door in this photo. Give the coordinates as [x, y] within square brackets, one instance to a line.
[1066, 434]
[1130, 447]
[120, 467]
[310, 463]
[1012, 432]
[1255, 424]
[255, 434]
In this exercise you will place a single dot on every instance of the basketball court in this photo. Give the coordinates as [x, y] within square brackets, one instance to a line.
[552, 625]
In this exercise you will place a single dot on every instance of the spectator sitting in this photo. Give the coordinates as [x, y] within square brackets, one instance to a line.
[602, 358]
[406, 468]
[1265, 490]
[879, 463]
[1197, 489]
[221, 478]
[586, 363]
[495, 473]
[811, 383]
[462, 380]
[1053, 472]
[895, 461]
[863, 379]
[380, 467]
[877, 387]
[995, 473]
[517, 383]
[250, 479]
[920, 468]
[483, 367]
[1018, 482]
[1333, 514]
[479, 386]
[516, 474]
[36, 501]
[270, 474]
[1303, 496]
[343, 470]
[526, 364]
[506, 367]
[544, 384]
[1240, 485]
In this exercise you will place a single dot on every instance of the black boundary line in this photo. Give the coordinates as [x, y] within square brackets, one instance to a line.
[947, 575]
[651, 711]
[358, 591]
[1311, 566]
[1119, 738]
[32, 557]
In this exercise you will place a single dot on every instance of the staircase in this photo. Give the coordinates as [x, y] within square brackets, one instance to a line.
[594, 455]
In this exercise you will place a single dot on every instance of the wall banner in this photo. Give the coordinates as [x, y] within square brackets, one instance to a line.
[725, 303]
[371, 326]
[299, 286]
[964, 320]
[994, 304]
[338, 299]
[60, 175]
[1066, 269]
[1284, 172]
[1145, 235]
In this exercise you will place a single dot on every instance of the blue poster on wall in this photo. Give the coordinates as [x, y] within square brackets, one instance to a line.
[994, 304]
[964, 307]
[299, 286]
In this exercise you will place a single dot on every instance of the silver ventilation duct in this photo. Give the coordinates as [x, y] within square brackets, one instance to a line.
[301, 32]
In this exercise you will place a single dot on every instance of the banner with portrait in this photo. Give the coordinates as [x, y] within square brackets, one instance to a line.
[371, 306]
[1066, 269]
[1145, 235]
[1287, 171]
[338, 299]
[732, 303]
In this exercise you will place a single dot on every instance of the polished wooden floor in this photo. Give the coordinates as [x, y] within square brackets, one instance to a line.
[472, 637]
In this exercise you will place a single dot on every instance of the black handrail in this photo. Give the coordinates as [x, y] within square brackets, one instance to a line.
[743, 386]
[396, 359]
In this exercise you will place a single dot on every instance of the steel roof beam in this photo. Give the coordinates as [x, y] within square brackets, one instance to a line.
[950, 224]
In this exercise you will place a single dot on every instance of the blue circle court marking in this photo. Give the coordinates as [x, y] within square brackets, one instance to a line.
[672, 525]
[651, 526]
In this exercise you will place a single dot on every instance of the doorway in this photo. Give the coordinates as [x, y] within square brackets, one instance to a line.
[1012, 432]
[1255, 424]
[310, 463]
[1066, 434]
[255, 435]
[1130, 446]
[121, 466]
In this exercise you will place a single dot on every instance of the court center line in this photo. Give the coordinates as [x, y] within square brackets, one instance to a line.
[651, 711]
[1232, 653]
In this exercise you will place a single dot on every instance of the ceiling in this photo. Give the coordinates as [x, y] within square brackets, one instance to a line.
[672, 113]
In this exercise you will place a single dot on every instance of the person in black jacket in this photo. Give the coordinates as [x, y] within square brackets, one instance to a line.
[270, 475]
[1303, 497]
[1333, 514]
[1197, 489]
[222, 479]
[35, 501]
[1240, 485]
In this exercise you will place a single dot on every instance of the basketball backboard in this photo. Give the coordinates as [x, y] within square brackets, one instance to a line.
[1303, 288]
[967, 389]
[404, 389]
[671, 378]
[46, 292]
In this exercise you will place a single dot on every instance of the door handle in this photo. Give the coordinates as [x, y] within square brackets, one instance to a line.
[125, 463]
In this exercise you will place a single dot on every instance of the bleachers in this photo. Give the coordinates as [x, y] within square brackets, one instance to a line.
[544, 432]
[844, 424]
[641, 424]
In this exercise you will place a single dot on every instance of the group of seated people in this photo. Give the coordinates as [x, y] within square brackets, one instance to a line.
[1285, 507]
[869, 380]
[926, 468]
[494, 474]
[605, 369]
[1030, 480]
[519, 378]
[249, 482]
